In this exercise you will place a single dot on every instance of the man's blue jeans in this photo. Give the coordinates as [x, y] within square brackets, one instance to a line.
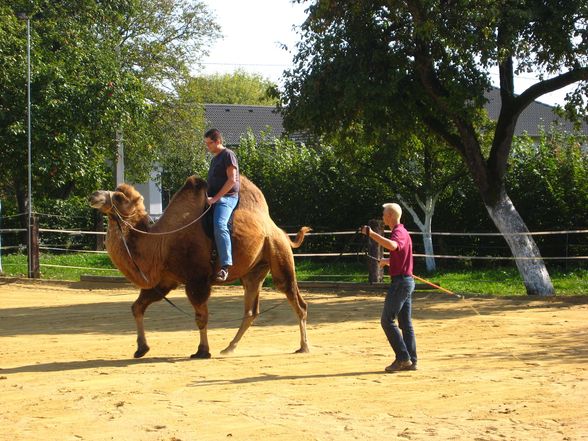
[398, 306]
[223, 209]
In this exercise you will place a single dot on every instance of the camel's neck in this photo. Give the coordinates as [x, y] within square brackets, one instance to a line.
[123, 244]
[135, 253]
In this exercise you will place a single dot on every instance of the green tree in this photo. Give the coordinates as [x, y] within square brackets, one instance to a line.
[553, 170]
[395, 66]
[178, 123]
[159, 45]
[97, 68]
[418, 169]
[238, 87]
[311, 186]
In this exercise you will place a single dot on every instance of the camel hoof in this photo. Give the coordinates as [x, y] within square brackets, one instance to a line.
[201, 354]
[141, 351]
[228, 350]
[303, 350]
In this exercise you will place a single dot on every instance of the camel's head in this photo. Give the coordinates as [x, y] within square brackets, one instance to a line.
[124, 199]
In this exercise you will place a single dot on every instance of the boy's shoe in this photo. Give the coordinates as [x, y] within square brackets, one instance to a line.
[222, 275]
[399, 366]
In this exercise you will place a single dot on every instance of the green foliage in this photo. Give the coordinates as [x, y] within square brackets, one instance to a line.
[238, 87]
[401, 66]
[178, 122]
[308, 186]
[549, 180]
[61, 266]
[98, 68]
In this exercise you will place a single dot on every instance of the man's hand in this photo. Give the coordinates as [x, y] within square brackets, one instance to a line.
[365, 229]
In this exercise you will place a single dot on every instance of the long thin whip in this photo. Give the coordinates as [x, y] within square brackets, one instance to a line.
[424, 281]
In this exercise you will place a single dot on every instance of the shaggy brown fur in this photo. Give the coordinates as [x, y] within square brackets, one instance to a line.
[165, 255]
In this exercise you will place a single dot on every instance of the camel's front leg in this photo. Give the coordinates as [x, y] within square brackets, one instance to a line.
[146, 297]
[202, 323]
[142, 346]
[198, 292]
[303, 339]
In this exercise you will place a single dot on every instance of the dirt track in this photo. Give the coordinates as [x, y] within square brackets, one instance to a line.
[489, 369]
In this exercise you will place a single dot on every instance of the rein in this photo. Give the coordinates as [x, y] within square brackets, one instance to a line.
[147, 233]
[120, 218]
[142, 273]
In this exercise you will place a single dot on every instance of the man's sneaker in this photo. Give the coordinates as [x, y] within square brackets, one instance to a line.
[399, 366]
[222, 275]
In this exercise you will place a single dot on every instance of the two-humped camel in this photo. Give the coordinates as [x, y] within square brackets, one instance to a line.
[158, 257]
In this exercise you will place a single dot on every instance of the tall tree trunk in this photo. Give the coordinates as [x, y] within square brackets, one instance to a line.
[425, 226]
[489, 179]
[429, 259]
[522, 246]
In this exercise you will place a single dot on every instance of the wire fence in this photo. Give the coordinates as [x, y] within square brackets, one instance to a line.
[566, 247]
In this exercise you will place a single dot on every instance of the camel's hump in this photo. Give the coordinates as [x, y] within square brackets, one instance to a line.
[250, 196]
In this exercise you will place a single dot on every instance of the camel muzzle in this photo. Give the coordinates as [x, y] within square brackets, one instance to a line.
[97, 199]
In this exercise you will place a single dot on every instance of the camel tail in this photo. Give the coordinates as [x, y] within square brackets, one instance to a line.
[300, 237]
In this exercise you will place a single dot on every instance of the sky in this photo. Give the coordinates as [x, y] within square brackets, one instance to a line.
[253, 31]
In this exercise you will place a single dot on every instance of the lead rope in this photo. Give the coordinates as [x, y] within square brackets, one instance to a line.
[147, 280]
[121, 217]
[476, 312]
[139, 269]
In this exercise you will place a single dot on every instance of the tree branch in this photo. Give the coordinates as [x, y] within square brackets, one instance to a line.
[550, 85]
[512, 107]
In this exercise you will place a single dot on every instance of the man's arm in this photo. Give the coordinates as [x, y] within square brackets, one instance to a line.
[391, 245]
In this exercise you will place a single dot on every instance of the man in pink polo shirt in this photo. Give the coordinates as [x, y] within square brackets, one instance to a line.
[398, 303]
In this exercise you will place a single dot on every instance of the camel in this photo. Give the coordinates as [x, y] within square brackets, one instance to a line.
[157, 257]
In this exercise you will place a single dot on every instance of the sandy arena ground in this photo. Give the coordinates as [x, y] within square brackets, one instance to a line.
[488, 369]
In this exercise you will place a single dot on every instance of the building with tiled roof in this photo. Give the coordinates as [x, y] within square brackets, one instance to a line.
[235, 120]
[535, 117]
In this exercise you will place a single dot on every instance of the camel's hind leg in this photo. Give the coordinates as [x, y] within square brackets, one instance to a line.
[284, 278]
[146, 297]
[252, 284]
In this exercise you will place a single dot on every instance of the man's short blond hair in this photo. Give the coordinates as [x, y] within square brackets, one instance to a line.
[393, 208]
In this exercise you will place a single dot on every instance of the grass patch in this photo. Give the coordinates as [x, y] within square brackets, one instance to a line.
[495, 282]
[61, 266]
[508, 282]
